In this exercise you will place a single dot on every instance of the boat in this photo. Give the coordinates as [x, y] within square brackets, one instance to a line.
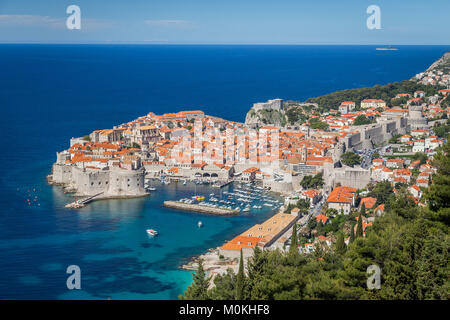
[151, 189]
[199, 224]
[152, 232]
[246, 209]
[388, 48]
[184, 182]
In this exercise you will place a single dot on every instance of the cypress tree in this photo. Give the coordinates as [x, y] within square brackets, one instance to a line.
[198, 290]
[363, 209]
[340, 244]
[294, 241]
[359, 228]
[352, 233]
[240, 279]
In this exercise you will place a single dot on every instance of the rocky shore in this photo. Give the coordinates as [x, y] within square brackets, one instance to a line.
[212, 263]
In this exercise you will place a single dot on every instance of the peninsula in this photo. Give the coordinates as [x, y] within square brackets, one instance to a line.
[280, 143]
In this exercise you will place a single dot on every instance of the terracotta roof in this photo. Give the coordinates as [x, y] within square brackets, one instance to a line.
[342, 194]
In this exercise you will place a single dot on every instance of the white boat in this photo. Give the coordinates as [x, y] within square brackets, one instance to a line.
[199, 224]
[151, 189]
[152, 232]
[184, 182]
[246, 209]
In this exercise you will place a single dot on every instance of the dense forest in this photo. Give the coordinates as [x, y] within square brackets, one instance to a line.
[385, 92]
[409, 243]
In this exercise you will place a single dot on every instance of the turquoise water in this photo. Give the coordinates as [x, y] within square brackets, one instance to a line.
[50, 93]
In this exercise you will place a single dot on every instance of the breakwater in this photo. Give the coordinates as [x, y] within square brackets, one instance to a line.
[199, 208]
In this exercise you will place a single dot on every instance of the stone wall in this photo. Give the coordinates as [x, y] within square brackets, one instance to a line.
[61, 174]
[351, 177]
[375, 134]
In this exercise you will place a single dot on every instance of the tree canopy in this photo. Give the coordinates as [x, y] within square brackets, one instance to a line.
[350, 158]
[361, 120]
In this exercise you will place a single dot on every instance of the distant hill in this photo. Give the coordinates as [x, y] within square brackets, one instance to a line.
[442, 64]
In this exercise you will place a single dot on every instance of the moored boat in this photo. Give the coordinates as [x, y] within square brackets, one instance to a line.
[152, 232]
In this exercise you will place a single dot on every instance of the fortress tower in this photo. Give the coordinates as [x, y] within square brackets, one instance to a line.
[416, 120]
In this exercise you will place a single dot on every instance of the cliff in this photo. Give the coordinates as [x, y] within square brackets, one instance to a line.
[442, 64]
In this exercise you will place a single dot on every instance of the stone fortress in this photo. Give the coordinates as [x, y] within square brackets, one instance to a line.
[252, 118]
[115, 180]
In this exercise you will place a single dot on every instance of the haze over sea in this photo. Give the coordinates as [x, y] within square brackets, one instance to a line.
[50, 93]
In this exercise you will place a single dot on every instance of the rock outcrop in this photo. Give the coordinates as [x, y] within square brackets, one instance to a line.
[443, 61]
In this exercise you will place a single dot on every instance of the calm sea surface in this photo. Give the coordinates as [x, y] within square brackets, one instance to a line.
[50, 93]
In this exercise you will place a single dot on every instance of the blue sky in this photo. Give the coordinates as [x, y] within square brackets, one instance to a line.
[226, 22]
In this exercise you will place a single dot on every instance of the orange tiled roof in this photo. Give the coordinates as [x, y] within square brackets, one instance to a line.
[342, 194]
[241, 242]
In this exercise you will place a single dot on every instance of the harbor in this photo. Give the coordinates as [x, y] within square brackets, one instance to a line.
[200, 208]
[237, 198]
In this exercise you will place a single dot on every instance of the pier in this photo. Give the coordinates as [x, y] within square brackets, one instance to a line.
[199, 208]
[222, 184]
[81, 203]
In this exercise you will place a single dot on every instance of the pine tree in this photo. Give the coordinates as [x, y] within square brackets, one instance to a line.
[240, 279]
[198, 290]
[255, 270]
[363, 209]
[294, 242]
[340, 244]
[359, 228]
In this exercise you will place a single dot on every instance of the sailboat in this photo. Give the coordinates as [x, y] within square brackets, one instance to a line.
[199, 224]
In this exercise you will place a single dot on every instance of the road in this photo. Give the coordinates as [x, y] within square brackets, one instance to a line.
[366, 156]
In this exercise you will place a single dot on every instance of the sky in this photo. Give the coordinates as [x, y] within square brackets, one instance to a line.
[227, 22]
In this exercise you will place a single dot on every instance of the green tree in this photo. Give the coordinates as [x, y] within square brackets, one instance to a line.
[224, 286]
[352, 233]
[362, 120]
[198, 290]
[293, 249]
[350, 158]
[363, 209]
[240, 280]
[438, 194]
[382, 191]
[340, 244]
[315, 123]
[359, 227]
[135, 145]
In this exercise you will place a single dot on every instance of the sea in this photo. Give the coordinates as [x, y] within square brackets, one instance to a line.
[51, 93]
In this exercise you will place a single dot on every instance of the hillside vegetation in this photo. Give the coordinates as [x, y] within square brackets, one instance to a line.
[385, 92]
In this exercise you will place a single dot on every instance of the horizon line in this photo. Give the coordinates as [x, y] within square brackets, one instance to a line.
[221, 44]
